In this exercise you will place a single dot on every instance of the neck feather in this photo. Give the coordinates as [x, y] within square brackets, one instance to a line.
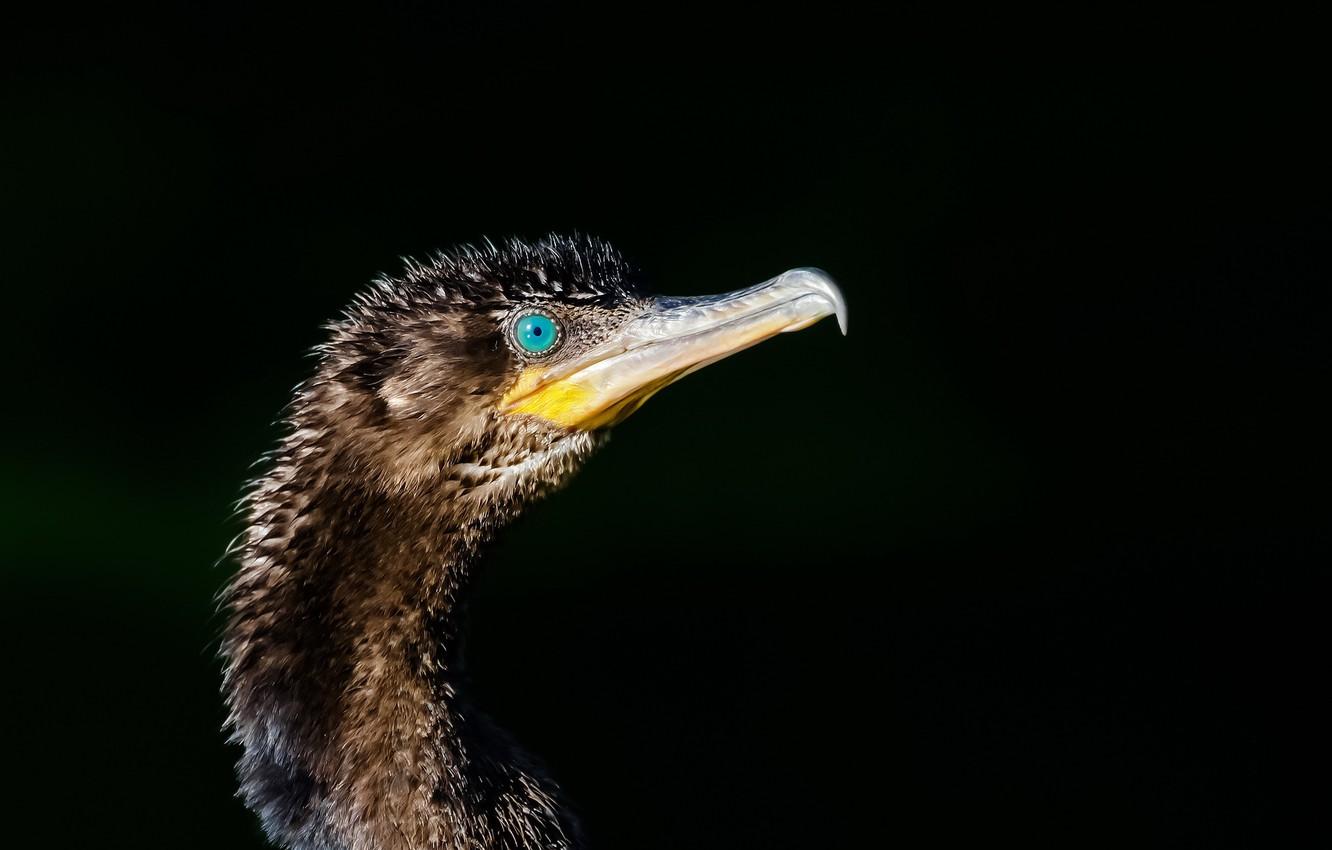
[342, 661]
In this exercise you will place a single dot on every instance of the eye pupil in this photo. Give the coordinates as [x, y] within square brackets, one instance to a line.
[535, 333]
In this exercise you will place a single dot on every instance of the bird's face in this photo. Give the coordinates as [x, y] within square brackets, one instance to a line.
[618, 358]
[498, 359]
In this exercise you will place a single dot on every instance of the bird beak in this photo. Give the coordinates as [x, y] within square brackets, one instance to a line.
[673, 337]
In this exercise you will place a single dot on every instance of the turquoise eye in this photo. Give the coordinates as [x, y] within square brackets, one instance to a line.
[536, 333]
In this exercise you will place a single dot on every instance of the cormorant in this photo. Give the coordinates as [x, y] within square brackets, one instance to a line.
[443, 401]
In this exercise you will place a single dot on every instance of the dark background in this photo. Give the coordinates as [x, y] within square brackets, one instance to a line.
[1029, 555]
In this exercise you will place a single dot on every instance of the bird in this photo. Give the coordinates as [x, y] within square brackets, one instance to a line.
[444, 400]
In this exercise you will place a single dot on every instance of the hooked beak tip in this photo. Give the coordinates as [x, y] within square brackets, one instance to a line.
[817, 280]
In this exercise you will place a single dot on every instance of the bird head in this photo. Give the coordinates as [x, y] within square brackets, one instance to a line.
[511, 362]
[443, 399]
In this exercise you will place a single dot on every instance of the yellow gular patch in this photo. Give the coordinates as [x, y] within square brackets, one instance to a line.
[564, 402]
[572, 404]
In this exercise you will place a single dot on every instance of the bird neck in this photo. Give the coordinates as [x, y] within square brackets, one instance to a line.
[343, 669]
